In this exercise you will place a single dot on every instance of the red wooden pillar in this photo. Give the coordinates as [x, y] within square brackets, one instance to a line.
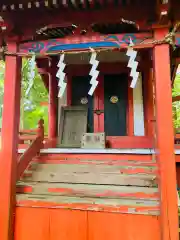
[99, 105]
[9, 153]
[53, 103]
[130, 114]
[165, 139]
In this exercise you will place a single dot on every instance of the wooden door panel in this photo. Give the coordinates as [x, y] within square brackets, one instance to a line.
[108, 226]
[115, 87]
[68, 225]
[31, 224]
[80, 89]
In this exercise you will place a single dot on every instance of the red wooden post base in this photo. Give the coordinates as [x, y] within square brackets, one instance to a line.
[10, 129]
[165, 139]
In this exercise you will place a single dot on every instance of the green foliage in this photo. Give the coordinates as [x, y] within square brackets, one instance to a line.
[31, 108]
[176, 105]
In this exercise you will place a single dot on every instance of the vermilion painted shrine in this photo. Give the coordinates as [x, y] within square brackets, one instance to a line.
[109, 167]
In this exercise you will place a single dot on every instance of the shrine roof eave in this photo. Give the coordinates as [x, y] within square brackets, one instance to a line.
[21, 17]
[11, 6]
[21, 5]
[22, 20]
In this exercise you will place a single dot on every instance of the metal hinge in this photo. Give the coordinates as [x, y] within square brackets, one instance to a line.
[98, 112]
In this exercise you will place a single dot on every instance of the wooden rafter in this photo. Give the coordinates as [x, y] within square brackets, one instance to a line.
[24, 25]
[163, 9]
[11, 5]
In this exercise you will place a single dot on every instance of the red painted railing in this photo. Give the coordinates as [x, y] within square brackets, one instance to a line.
[32, 150]
[26, 137]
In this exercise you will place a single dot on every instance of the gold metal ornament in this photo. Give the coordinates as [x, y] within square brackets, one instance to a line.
[114, 99]
[84, 100]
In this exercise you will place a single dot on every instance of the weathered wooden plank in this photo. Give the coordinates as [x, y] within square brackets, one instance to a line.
[91, 204]
[67, 199]
[88, 190]
[93, 178]
[92, 161]
[98, 156]
[84, 168]
[97, 167]
[98, 174]
[71, 133]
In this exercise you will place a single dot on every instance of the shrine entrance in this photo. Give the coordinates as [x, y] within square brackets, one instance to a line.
[113, 96]
[114, 109]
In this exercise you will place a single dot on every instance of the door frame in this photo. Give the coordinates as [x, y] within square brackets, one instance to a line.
[129, 141]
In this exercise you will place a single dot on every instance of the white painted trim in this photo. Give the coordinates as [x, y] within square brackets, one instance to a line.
[138, 109]
[103, 151]
[94, 151]
[99, 151]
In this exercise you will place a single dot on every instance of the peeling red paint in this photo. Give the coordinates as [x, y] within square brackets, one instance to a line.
[90, 207]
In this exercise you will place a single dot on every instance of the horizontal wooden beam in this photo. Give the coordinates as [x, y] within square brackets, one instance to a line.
[43, 63]
[80, 43]
[43, 71]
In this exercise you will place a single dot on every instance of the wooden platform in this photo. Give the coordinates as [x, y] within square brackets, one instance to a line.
[96, 182]
[88, 196]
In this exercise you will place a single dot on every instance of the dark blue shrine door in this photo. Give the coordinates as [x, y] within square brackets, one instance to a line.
[115, 104]
[80, 89]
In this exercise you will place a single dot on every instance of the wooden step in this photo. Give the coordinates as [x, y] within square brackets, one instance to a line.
[91, 182]
[92, 161]
[88, 190]
[91, 174]
[132, 206]
[124, 168]
[102, 158]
